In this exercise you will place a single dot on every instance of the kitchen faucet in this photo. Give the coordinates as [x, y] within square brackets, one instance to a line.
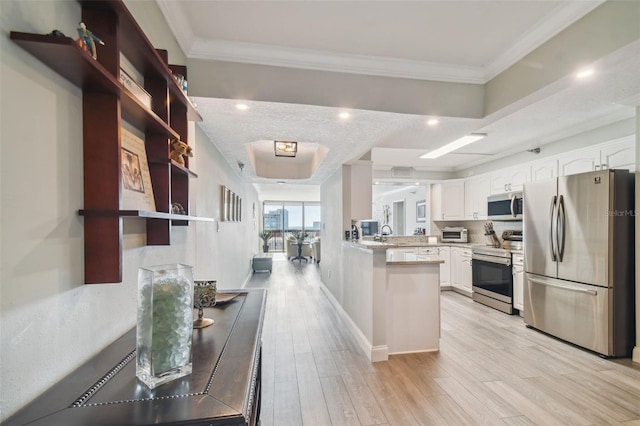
[382, 234]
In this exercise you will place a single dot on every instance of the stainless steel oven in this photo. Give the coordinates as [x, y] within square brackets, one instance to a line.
[492, 278]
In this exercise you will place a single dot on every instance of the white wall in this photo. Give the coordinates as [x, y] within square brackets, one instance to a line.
[410, 195]
[50, 322]
[333, 227]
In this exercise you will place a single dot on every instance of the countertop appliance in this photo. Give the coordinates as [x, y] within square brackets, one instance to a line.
[454, 234]
[579, 259]
[505, 206]
[368, 227]
[492, 278]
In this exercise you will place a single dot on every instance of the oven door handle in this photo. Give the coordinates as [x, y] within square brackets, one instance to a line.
[492, 259]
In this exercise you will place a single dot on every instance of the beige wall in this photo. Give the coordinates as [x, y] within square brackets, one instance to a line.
[50, 322]
[607, 28]
[333, 227]
[333, 89]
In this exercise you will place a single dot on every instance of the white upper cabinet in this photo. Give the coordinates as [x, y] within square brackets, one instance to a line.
[476, 191]
[579, 161]
[544, 169]
[453, 200]
[619, 155]
[510, 179]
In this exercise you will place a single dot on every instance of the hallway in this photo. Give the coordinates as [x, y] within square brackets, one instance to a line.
[491, 369]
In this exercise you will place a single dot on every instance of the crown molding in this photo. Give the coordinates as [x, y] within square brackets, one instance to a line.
[557, 20]
[178, 23]
[253, 53]
[281, 56]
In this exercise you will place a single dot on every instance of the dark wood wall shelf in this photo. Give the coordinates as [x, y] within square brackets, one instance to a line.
[106, 104]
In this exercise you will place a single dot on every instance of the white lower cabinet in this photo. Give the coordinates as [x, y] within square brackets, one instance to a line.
[444, 253]
[461, 275]
[518, 282]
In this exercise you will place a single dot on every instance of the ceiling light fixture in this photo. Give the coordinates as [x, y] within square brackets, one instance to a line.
[242, 107]
[432, 122]
[344, 115]
[285, 148]
[584, 73]
[457, 144]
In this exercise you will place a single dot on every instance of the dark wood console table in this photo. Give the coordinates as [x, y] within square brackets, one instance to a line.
[223, 389]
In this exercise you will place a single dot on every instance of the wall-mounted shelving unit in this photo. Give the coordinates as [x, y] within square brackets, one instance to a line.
[106, 104]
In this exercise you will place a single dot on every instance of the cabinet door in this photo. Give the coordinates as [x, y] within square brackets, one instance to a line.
[541, 170]
[579, 161]
[619, 155]
[476, 191]
[499, 182]
[444, 253]
[453, 200]
[456, 267]
[465, 268]
[518, 287]
[517, 177]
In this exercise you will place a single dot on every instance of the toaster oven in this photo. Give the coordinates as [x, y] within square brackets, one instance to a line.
[454, 234]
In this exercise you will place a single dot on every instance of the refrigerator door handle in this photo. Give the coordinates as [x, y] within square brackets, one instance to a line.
[552, 241]
[563, 287]
[560, 228]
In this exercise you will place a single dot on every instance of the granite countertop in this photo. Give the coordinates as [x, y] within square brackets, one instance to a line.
[377, 245]
[400, 258]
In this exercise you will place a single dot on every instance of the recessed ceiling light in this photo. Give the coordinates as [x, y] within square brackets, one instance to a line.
[242, 107]
[432, 122]
[280, 182]
[584, 73]
[344, 115]
[457, 144]
[377, 183]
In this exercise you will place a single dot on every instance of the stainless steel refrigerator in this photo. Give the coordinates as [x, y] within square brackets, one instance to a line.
[579, 259]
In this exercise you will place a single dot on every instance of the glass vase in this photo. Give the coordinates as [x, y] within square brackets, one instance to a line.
[165, 320]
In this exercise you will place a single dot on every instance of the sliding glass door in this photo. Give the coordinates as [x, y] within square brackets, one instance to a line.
[290, 218]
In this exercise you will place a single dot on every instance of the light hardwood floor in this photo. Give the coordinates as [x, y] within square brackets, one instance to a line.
[491, 369]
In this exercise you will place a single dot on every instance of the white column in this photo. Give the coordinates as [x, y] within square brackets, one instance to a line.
[636, 350]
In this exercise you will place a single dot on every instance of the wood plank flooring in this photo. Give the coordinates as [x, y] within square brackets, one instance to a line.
[491, 369]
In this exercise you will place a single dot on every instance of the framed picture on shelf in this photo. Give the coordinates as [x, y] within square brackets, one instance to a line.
[137, 192]
[421, 211]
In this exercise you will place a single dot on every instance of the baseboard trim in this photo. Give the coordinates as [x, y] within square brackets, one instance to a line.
[374, 353]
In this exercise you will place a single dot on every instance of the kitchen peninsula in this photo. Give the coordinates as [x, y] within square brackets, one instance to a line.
[391, 300]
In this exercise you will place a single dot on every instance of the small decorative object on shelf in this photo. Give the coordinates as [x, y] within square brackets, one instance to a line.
[178, 150]
[176, 208]
[57, 33]
[137, 90]
[204, 296]
[165, 321]
[88, 40]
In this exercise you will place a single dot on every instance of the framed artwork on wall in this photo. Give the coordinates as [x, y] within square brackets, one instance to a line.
[421, 211]
[137, 192]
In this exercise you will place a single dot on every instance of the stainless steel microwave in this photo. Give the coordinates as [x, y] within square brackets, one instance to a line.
[505, 206]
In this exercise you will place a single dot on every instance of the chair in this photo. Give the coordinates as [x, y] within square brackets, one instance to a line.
[307, 250]
[315, 247]
[292, 250]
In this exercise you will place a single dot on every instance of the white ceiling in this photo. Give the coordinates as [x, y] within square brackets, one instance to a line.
[463, 41]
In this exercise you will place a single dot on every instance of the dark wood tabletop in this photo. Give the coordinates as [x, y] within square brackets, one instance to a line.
[223, 388]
